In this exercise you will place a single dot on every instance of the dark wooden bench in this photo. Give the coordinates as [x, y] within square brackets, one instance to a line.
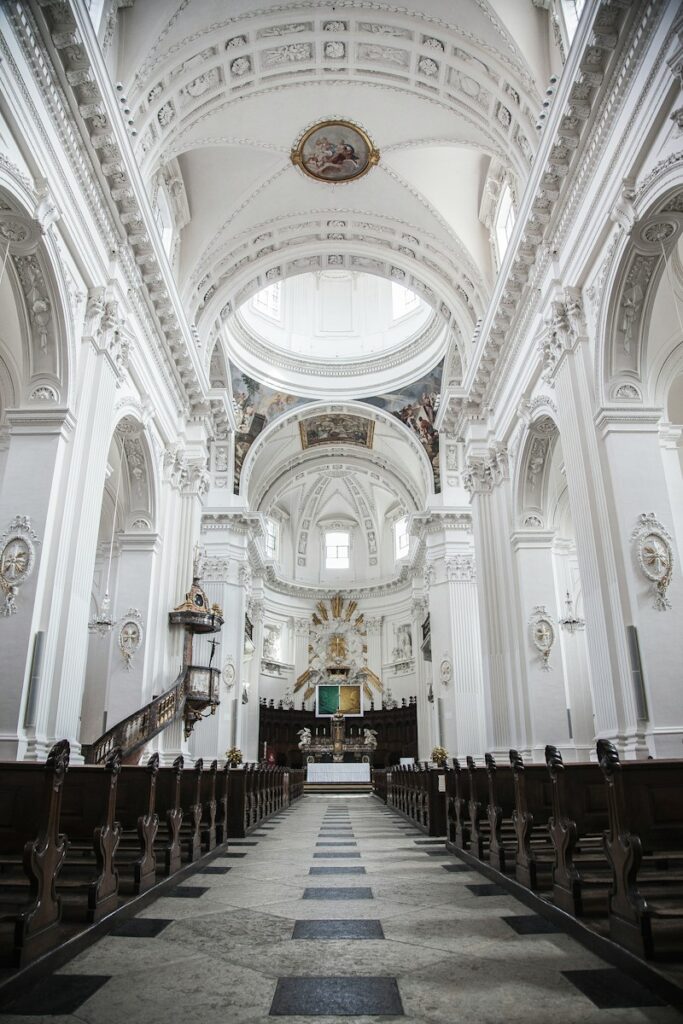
[644, 844]
[89, 881]
[209, 806]
[476, 810]
[499, 811]
[32, 852]
[191, 805]
[581, 873]
[457, 790]
[167, 845]
[222, 804]
[534, 855]
[136, 812]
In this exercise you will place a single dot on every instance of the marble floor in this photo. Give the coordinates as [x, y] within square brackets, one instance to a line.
[337, 909]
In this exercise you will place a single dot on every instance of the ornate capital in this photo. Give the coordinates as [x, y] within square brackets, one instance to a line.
[373, 625]
[216, 568]
[302, 627]
[563, 328]
[461, 569]
[484, 472]
[195, 478]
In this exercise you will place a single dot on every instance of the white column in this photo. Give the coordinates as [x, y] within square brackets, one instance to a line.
[425, 710]
[36, 466]
[506, 711]
[456, 651]
[637, 486]
[301, 639]
[570, 367]
[373, 627]
[103, 362]
[546, 685]
[250, 720]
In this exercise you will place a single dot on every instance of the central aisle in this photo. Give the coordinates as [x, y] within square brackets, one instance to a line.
[338, 908]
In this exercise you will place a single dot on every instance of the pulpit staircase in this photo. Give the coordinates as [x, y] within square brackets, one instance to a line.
[195, 690]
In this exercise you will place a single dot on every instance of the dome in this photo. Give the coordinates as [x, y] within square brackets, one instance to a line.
[335, 333]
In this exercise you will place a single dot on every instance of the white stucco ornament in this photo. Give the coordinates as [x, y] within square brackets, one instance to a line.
[446, 671]
[654, 554]
[17, 559]
[542, 631]
[130, 635]
[229, 673]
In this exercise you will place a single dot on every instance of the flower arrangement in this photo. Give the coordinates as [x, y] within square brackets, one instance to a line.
[233, 756]
[440, 756]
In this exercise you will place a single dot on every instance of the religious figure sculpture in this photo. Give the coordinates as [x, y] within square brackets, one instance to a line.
[304, 738]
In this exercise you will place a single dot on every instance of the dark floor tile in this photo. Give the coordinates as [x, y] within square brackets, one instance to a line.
[344, 997]
[236, 854]
[456, 867]
[187, 892]
[330, 855]
[338, 930]
[342, 869]
[487, 889]
[214, 869]
[242, 842]
[339, 893]
[268, 828]
[532, 924]
[611, 989]
[336, 843]
[58, 994]
[437, 853]
[141, 927]
[429, 842]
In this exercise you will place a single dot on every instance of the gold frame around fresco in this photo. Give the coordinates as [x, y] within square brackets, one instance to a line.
[298, 150]
[357, 708]
[367, 443]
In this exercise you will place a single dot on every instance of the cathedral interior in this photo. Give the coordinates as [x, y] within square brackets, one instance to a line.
[341, 489]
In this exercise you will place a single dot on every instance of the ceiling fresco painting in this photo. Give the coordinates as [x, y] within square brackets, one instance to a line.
[335, 428]
[416, 405]
[257, 406]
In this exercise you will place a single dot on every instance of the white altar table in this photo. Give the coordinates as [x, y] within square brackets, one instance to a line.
[356, 772]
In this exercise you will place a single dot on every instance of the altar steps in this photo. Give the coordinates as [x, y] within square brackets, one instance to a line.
[333, 788]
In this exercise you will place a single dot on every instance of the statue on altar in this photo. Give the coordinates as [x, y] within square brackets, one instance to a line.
[304, 738]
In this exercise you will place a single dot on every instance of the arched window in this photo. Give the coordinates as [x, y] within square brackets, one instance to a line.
[164, 218]
[505, 222]
[571, 12]
[267, 301]
[401, 538]
[337, 549]
[272, 537]
[403, 301]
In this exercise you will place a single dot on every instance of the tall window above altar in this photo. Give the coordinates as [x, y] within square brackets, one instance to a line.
[401, 538]
[505, 222]
[272, 537]
[337, 549]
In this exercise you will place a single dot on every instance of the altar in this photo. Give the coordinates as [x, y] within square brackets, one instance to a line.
[335, 773]
[337, 745]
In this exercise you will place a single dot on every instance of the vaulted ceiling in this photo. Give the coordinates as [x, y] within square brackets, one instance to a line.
[220, 93]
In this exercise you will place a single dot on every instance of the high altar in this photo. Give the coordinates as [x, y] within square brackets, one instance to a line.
[337, 743]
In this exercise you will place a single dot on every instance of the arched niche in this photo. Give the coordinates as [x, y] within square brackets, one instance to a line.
[36, 332]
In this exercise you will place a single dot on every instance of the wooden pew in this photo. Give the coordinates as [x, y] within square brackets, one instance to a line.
[581, 874]
[30, 808]
[499, 810]
[209, 806]
[222, 805]
[379, 783]
[89, 881]
[191, 805]
[479, 826]
[644, 844]
[457, 830]
[535, 856]
[136, 813]
[167, 846]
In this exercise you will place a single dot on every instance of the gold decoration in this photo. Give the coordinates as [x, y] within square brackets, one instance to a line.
[440, 756]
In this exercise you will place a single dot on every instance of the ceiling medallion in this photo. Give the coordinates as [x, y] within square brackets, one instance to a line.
[335, 151]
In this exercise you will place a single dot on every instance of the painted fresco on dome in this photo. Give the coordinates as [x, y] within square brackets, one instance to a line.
[257, 406]
[336, 428]
[416, 405]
